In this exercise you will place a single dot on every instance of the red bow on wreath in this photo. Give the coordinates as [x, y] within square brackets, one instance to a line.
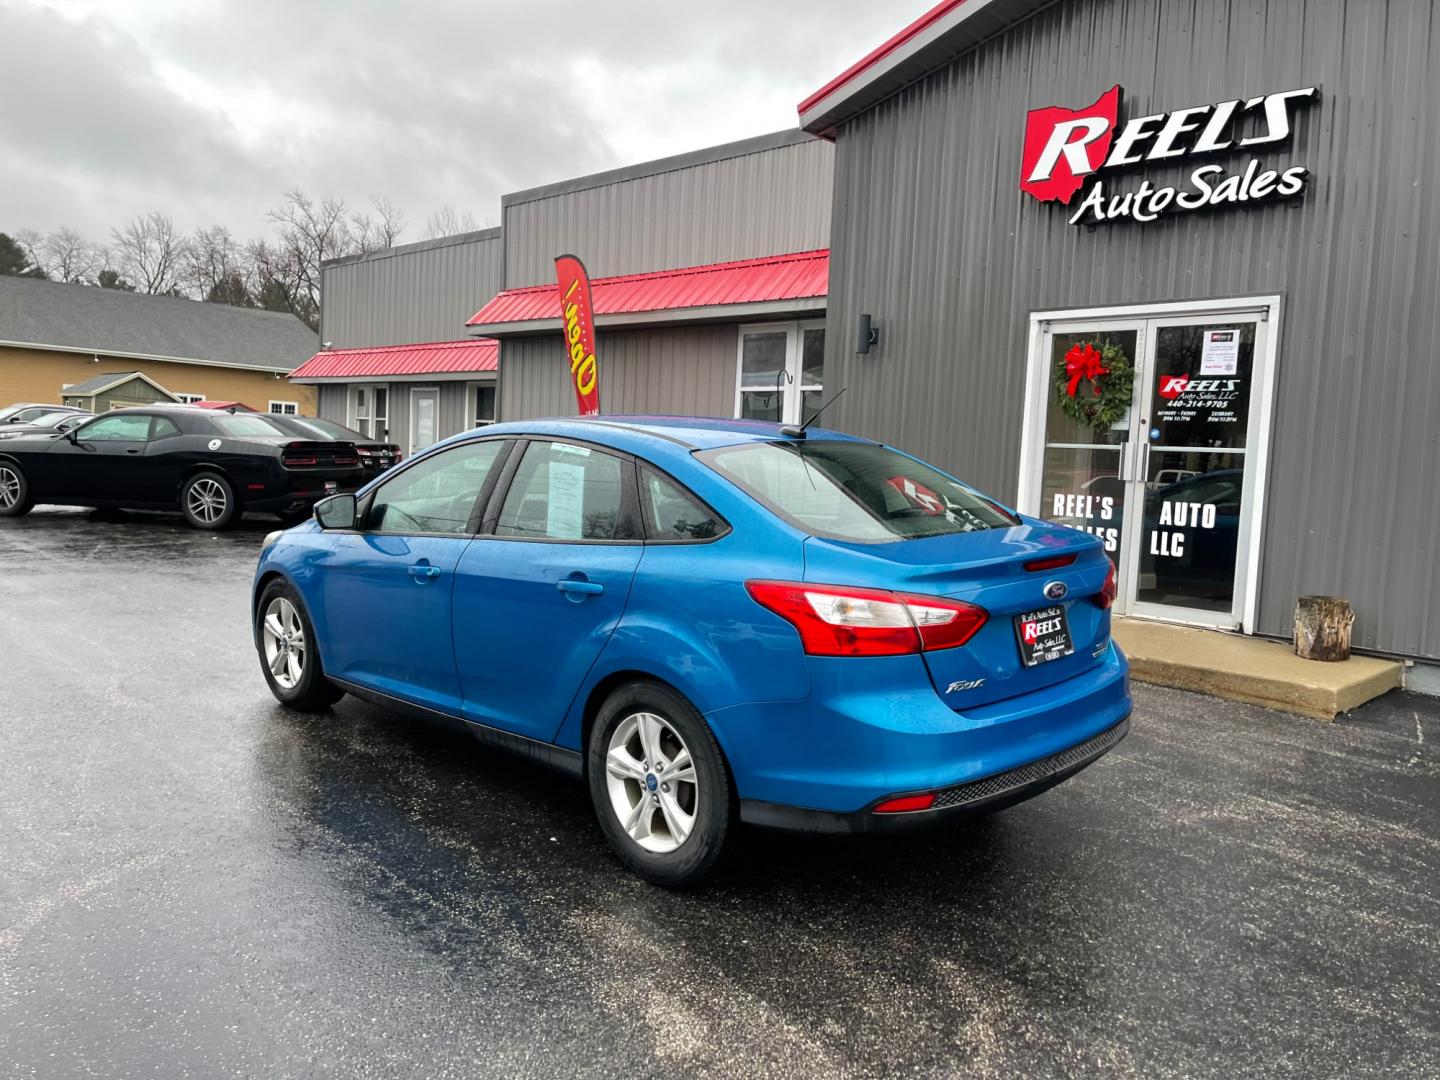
[1084, 364]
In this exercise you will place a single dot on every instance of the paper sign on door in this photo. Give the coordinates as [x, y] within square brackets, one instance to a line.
[1220, 352]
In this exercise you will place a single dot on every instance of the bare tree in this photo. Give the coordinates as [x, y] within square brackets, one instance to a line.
[150, 253]
[310, 233]
[277, 283]
[448, 222]
[216, 267]
[381, 231]
[70, 257]
[33, 244]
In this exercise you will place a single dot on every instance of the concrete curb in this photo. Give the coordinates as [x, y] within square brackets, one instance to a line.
[1250, 669]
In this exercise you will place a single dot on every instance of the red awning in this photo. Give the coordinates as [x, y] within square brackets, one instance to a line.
[436, 358]
[803, 275]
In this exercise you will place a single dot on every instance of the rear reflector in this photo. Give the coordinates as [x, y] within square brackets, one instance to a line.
[1052, 563]
[847, 620]
[905, 804]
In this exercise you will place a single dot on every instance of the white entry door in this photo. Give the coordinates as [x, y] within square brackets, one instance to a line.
[1174, 484]
[424, 417]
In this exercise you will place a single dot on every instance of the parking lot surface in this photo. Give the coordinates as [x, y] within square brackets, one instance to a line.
[195, 882]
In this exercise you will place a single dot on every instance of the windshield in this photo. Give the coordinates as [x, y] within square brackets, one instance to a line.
[856, 491]
[46, 419]
[243, 424]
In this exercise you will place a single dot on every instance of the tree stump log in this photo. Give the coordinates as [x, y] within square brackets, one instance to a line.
[1322, 627]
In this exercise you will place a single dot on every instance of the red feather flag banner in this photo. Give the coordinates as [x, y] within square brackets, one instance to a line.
[578, 316]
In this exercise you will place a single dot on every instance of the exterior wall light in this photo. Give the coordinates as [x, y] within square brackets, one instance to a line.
[866, 335]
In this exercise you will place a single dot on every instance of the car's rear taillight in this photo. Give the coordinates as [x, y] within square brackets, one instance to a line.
[293, 460]
[1106, 596]
[846, 620]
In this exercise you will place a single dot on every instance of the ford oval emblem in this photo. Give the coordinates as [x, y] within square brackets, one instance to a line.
[1056, 590]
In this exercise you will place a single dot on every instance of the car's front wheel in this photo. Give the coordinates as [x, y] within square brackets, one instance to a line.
[285, 640]
[659, 783]
[208, 501]
[15, 497]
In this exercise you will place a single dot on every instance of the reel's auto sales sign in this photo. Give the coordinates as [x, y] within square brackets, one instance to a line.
[1064, 148]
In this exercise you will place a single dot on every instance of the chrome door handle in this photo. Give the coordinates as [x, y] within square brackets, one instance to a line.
[587, 588]
[423, 573]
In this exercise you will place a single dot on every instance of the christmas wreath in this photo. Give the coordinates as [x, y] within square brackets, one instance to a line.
[1093, 383]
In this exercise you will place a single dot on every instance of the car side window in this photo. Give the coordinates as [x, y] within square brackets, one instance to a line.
[162, 428]
[566, 492]
[119, 428]
[435, 495]
[672, 513]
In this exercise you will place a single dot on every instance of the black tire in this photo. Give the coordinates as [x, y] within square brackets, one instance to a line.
[311, 691]
[198, 496]
[15, 497]
[712, 796]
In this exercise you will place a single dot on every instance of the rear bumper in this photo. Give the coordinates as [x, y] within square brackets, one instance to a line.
[976, 796]
[297, 492]
[874, 729]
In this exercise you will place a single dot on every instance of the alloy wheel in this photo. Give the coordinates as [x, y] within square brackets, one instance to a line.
[284, 639]
[206, 500]
[651, 780]
[9, 488]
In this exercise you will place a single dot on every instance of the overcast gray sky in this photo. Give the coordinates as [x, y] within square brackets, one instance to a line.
[208, 110]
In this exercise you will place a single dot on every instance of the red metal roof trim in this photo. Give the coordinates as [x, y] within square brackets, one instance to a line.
[935, 14]
[799, 275]
[435, 358]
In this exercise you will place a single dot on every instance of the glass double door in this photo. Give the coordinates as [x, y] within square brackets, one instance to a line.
[1166, 479]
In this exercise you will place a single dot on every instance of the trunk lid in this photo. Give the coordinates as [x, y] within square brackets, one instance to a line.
[986, 568]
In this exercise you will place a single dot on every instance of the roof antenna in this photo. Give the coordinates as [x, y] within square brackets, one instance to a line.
[794, 432]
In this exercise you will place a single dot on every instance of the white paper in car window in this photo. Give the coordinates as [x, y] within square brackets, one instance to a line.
[565, 512]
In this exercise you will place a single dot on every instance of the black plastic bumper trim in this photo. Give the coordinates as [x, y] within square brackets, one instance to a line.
[988, 793]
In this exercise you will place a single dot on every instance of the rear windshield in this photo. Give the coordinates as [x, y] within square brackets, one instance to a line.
[243, 424]
[856, 491]
[328, 429]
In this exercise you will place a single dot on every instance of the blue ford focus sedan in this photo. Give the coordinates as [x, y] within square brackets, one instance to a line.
[708, 621]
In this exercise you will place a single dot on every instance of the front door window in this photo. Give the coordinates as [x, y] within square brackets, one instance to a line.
[1166, 484]
[1194, 462]
[782, 372]
[424, 418]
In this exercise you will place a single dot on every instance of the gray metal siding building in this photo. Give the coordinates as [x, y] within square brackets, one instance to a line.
[376, 308]
[758, 197]
[933, 237]
[410, 293]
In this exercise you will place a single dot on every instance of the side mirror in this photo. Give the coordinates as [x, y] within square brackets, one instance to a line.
[71, 436]
[336, 512]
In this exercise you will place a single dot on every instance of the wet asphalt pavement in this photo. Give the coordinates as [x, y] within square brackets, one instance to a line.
[197, 883]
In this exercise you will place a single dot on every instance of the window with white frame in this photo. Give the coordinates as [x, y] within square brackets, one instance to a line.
[781, 374]
[190, 399]
[482, 404]
[369, 410]
[284, 408]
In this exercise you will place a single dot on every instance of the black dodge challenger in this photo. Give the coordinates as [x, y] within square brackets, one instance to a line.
[211, 466]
